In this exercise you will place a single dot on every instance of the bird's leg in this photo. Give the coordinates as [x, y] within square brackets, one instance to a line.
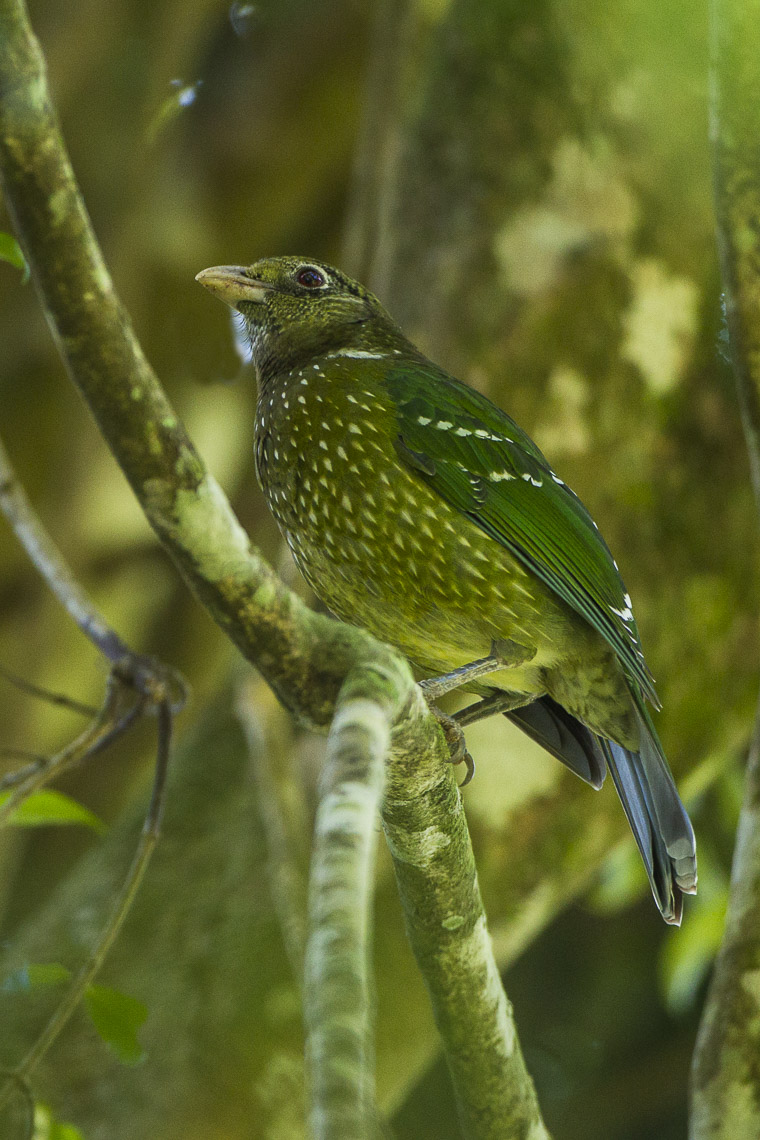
[436, 687]
[499, 702]
[505, 654]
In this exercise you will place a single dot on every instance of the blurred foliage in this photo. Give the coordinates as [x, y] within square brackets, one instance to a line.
[584, 297]
[47, 807]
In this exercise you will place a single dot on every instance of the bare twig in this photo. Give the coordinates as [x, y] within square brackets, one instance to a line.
[46, 557]
[725, 1074]
[121, 907]
[113, 719]
[40, 693]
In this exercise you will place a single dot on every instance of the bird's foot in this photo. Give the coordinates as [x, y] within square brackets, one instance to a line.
[456, 742]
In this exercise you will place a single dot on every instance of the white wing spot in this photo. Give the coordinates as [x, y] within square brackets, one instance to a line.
[424, 420]
[483, 434]
[357, 354]
[626, 614]
[444, 425]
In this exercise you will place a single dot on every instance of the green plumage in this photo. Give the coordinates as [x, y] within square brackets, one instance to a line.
[418, 509]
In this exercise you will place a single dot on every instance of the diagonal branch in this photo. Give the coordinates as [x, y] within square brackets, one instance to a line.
[45, 555]
[304, 656]
[725, 1073]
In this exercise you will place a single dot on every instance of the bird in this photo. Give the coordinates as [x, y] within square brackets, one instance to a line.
[419, 510]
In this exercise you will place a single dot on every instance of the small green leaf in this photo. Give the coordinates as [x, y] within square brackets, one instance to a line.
[117, 1018]
[50, 807]
[46, 1127]
[35, 975]
[10, 251]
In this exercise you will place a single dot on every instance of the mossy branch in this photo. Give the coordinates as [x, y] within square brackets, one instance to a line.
[426, 830]
[305, 657]
[337, 991]
[725, 1074]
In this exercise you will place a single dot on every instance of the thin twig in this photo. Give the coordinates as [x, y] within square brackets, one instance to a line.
[337, 991]
[112, 720]
[41, 693]
[122, 905]
[48, 560]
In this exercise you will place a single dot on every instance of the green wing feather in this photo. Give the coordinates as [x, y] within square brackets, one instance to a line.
[478, 459]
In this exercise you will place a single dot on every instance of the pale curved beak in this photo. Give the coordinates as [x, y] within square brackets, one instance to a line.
[231, 284]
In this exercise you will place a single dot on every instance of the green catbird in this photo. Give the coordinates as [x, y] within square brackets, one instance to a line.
[419, 510]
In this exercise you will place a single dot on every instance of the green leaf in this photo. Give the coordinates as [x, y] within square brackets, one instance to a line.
[117, 1018]
[50, 807]
[10, 251]
[46, 1127]
[35, 975]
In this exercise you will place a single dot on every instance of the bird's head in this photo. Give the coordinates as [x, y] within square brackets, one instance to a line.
[294, 308]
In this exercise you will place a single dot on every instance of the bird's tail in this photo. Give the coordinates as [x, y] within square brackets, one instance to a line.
[658, 819]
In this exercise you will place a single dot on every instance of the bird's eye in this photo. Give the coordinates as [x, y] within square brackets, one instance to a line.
[310, 278]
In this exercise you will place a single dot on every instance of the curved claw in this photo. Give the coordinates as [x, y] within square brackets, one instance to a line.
[468, 760]
[456, 742]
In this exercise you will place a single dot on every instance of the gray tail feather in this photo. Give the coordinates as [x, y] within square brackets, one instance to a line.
[658, 819]
[563, 736]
